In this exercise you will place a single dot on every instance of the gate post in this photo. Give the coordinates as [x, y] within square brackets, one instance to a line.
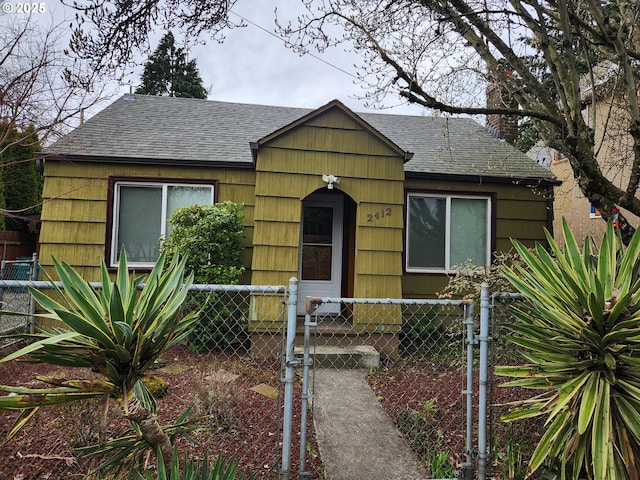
[484, 340]
[307, 362]
[290, 364]
[467, 466]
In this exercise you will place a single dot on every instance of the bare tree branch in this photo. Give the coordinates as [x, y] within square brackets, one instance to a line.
[40, 85]
[109, 33]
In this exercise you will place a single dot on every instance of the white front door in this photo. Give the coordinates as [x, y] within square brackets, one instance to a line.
[321, 250]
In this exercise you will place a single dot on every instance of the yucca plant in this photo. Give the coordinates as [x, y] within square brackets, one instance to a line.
[192, 470]
[117, 331]
[579, 331]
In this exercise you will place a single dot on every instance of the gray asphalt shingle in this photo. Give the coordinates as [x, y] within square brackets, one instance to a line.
[163, 129]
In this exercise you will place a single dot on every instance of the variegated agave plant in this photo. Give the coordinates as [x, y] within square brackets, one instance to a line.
[579, 331]
[117, 331]
[192, 470]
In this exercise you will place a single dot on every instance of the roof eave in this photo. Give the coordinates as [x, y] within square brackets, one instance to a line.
[479, 179]
[142, 160]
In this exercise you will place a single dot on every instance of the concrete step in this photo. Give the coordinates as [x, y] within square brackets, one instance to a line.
[355, 356]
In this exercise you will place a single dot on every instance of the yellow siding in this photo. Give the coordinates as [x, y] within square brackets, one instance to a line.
[378, 286]
[520, 229]
[379, 216]
[277, 258]
[70, 188]
[387, 239]
[334, 119]
[279, 209]
[266, 309]
[381, 262]
[88, 257]
[376, 167]
[268, 277]
[357, 142]
[75, 206]
[91, 211]
[286, 185]
[83, 233]
[377, 318]
[513, 209]
[277, 233]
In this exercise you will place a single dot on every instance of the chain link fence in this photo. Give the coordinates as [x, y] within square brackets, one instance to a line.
[232, 382]
[17, 298]
[416, 353]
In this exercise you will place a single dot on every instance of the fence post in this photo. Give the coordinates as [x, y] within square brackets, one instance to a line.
[467, 467]
[484, 340]
[307, 361]
[32, 301]
[290, 364]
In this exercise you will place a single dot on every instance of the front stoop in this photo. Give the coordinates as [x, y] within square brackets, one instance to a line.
[349, 357]
[269, 345]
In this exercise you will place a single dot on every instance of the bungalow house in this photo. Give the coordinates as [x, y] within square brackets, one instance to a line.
[352, 204]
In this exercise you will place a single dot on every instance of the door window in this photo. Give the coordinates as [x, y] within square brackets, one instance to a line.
[317, 239]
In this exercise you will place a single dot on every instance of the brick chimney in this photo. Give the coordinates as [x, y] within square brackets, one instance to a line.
[503, 126]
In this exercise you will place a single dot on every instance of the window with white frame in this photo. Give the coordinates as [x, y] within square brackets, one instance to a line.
[445, 231]
[141, 213]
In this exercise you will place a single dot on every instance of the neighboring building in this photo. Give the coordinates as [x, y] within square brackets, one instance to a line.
[355, 205]
[613, 146]
[569, 202]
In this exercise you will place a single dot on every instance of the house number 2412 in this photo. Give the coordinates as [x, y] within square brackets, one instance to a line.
[384, 212]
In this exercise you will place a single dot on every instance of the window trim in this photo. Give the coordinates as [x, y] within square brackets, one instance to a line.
[488, 197]
[112, 212]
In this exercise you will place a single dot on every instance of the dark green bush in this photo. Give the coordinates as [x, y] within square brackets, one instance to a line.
[221, 323]
[211, 237]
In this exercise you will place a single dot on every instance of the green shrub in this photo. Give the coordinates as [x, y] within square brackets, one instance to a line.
[211, 237]
[220, 323]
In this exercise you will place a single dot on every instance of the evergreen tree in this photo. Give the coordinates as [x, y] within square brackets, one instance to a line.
[169, 73]
[20, 180]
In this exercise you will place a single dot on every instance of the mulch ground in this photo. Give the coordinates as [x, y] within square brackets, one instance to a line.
[238, 398]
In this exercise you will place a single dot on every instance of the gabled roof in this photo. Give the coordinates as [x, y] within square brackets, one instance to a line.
[165, 130]
[336, 104]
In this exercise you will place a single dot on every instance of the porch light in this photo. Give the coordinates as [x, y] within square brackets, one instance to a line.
[330, 180]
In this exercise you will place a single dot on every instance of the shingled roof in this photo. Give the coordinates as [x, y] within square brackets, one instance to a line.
[165, 130]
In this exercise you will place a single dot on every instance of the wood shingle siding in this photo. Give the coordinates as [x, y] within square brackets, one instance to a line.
[75, 207]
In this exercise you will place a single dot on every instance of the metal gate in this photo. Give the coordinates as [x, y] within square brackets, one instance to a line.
[417, 357]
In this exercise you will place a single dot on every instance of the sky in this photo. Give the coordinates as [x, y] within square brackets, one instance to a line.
[254, 66]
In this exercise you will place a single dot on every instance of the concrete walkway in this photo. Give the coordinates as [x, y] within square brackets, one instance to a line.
[356, 437]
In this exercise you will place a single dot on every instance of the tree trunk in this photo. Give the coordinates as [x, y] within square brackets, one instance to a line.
[152, 432]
